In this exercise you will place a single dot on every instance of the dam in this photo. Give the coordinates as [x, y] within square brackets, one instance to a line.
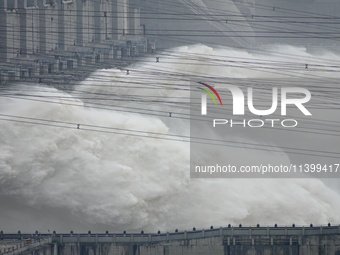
[311, 240]
[46, 41]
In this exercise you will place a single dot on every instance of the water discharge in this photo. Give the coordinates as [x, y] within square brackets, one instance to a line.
[99, 175]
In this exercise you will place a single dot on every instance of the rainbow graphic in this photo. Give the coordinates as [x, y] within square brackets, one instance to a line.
[204, 97]
[209, 93]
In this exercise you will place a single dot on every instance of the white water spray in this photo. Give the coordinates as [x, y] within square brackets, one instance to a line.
[67, 178]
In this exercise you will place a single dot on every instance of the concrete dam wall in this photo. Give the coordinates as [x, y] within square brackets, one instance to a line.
[280, 245]
[221, 241]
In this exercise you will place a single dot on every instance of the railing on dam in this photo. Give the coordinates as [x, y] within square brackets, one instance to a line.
[186, 235]
[25, 246]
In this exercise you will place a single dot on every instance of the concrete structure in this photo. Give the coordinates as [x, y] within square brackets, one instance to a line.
[40, 37]
[28, 246]
[224, 241]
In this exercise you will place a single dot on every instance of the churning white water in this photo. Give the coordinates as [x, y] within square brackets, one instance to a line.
[100, 175]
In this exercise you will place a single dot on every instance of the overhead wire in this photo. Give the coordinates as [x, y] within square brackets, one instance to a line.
[145, 134]
[155, 73]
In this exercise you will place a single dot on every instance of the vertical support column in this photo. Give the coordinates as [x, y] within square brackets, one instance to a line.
[97, 25]
[32, 27]
[119, 19]
[125, 17]
[51, 26]
[134, 17]
[69, 23]
[79, 30]
[3, 5]
[114, 20]
[108, 19]
[137, 26]
[23, 22]
[32, 40]
[3, 21]
[42, 26]
[61, 25]
[86, 22]
[103, 16]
